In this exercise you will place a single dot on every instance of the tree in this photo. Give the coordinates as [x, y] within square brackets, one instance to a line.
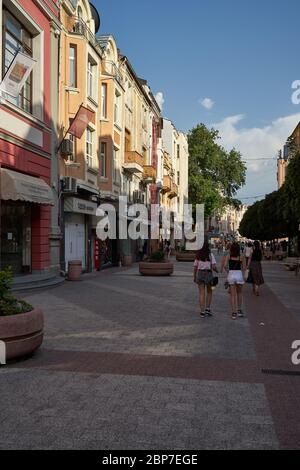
[292, 189]
[269, 219]
[214, 174]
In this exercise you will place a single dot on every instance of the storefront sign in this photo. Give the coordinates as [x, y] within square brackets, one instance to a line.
[80, 206]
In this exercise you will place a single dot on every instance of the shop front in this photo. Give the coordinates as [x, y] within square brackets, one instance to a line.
[25, 218]
[80, 232]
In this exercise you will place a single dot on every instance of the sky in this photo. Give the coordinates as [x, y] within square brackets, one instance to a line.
[229, 64]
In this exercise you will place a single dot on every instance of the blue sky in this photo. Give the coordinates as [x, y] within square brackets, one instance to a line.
[241, 54]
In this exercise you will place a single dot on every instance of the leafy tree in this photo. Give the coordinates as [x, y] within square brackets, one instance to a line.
[292, 190]
[214, 174]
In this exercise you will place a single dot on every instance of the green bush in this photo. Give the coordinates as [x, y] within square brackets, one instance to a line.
[10, 305]
[157, 256]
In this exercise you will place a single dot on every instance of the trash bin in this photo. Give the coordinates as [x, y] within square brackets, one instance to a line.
[74, 270]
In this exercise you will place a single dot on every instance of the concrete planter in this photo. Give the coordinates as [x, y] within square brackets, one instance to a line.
[127, 260]
[156, 269]
[22, 334]
[185, 257]
[74, 270]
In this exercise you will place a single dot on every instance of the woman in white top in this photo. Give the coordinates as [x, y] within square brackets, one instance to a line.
[205, 264]
[248, 254]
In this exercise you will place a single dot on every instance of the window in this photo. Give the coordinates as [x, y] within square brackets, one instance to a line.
[115, 166]
[89, 147]
[17, 38]
[72, 158]
[117, 107]
[178, 151]
[73, 66]
[91, 75]
[178, 178]
[104, 100]
[103, 159]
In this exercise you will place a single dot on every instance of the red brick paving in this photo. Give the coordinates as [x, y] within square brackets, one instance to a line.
[273, 343]
[214, 369]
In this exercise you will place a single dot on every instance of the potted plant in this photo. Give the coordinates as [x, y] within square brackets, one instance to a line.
[185, 255]
[21, 326]
[156, 265]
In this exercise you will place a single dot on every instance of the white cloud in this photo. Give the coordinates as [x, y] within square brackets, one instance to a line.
[257, 142]
[207, 103]
[160, 100]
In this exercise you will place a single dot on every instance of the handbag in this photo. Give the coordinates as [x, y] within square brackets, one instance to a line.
[215, 280]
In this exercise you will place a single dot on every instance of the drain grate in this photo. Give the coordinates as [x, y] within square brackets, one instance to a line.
[290, 373]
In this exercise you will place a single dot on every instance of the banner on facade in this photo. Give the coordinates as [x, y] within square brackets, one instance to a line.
[17, 74]
[81, 121]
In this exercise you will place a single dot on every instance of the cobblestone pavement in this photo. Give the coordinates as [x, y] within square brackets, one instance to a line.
[127, 363]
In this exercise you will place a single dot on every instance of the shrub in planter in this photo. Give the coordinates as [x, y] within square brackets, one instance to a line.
[156, 265]
[157, 257]
[21, 326]
[9, 304]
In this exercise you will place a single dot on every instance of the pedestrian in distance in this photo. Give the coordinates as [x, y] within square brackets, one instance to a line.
[168, 249]
[204, 267]
[248, 253]
[235, 265]
[256, 277]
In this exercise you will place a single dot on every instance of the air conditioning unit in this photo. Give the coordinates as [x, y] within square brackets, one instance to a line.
[67, 148]
[69, 185]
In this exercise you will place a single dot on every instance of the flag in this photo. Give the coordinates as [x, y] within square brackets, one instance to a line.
[81, 121]
[17, 74]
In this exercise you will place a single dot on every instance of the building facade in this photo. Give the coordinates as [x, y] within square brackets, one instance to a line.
[174, 194]
[80, 69]
[29, 223]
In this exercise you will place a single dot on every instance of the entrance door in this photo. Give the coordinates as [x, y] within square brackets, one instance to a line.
[75, 241]
[15, 237]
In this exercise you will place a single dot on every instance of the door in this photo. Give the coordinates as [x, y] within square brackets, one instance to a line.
[75, 242]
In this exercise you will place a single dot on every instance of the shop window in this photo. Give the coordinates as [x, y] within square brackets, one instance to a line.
[17, 38]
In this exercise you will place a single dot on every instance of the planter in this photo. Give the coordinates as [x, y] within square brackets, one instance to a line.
[185, 257]
[74, 270]
[127, 260]
[156, 269]
[22, 334]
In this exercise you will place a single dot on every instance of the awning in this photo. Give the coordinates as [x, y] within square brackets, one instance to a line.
[16, 186]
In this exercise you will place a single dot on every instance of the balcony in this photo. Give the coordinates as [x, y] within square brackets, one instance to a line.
[150, 174]
[110, 68]
[174, 191]
[133, 162]
[167, 162]
[79, 27]
[167, 185]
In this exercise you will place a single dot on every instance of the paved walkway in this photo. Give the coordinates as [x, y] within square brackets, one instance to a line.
[127, 363]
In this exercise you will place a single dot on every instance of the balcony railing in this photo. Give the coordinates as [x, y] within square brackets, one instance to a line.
[174, 191]
[78, 26]
[111, 68]
[167, 184]
[150, 174]
[133, 162]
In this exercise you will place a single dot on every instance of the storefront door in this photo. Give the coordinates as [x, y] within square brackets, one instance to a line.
[16, 237]
[75, 239]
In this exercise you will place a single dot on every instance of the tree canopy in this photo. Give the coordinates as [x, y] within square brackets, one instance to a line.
[215, 175]
[278, 215]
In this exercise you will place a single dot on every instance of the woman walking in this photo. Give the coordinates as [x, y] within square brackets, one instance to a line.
[236, 265]
[205, 264]
[256, 277]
